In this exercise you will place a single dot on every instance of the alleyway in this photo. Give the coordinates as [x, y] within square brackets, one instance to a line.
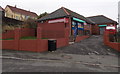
[89, 55]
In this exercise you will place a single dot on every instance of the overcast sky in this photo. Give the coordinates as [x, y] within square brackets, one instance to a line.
[86, 8]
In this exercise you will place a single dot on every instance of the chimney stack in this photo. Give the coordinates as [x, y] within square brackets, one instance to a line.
[15, 6]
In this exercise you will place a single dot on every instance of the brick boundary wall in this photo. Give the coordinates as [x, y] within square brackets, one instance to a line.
[107, 42]
[27, 32]
[8, 34]
[38, 45]
[24, 32]
[79, 38]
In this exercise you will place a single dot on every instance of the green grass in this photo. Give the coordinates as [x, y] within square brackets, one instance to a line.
[27, 38]
[8, 39]
[118, 41]
[24, 38]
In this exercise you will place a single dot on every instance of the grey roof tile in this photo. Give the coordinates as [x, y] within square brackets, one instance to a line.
[62, 12]
[101, 19]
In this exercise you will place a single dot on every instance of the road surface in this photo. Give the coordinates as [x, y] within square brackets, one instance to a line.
[89, 55]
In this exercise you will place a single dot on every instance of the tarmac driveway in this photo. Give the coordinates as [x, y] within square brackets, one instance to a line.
[89, 55]
[92, 45]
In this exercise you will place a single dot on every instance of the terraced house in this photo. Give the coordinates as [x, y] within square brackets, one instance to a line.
[19, 14]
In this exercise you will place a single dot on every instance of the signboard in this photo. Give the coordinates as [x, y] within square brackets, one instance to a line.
[80, 26]
[76, 19]
[79, 23]
[102, 25]
[85, 23]
[65, 20]
[110, 27]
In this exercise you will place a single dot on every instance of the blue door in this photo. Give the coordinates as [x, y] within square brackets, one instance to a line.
[76, 29]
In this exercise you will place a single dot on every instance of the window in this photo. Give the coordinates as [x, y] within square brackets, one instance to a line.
[17, 17]
[86, 32]
[12, 16]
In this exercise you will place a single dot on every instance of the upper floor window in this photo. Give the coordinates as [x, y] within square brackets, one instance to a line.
[26, 17]
[17, 17]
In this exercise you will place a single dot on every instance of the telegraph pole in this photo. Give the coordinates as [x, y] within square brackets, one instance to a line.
[119, 16]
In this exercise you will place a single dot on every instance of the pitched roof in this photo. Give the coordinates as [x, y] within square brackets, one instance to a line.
[21, 11]
[1, 9]
[64, 12]
[101, 19]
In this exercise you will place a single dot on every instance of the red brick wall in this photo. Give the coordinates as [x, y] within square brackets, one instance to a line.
[95, 30]
[24, 32]
[8, 44]
[38, 45]
[27, 32]
[42, 45]
[8, 34]
[88, 27]
[52, 30]
[79, 38]
[61, 42]
[28, 45]
[113, 45]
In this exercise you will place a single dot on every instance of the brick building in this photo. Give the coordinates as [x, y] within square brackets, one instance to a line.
[101, 22]
[53, 25]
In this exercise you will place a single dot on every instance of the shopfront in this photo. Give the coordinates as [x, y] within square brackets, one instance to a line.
[102, 29]
[77, 26]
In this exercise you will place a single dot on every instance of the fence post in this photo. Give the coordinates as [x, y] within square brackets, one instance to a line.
[17, 38]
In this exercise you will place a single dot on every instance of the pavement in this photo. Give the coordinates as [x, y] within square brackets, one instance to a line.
[89, 55]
